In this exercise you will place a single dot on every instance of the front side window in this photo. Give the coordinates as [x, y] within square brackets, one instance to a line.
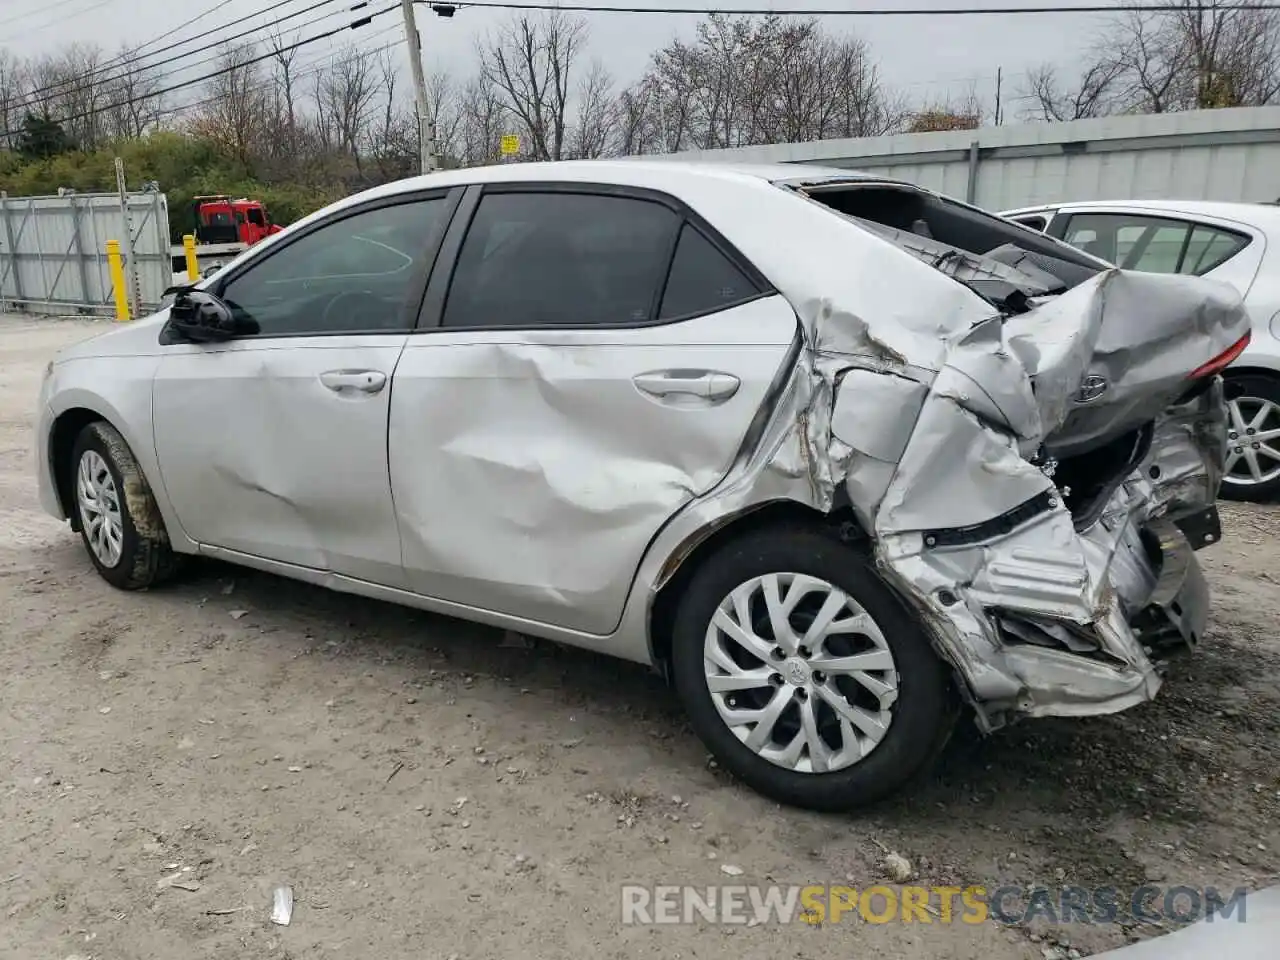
[353, 275]
[561, 259]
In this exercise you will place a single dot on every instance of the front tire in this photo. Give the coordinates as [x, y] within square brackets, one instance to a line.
[803, 673]
[1253, 447]
[120, 523]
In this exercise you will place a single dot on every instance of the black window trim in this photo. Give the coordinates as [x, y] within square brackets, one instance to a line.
[413, 302]
[431, 316]
[1066, 216]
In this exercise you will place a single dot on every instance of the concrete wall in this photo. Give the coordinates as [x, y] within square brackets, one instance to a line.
[1198, 155]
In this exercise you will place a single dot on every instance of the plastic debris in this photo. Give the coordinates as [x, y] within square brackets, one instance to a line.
[282, 906]
[237, 614]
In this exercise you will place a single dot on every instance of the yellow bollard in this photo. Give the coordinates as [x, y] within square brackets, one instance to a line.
[116, 265]
[193, 265]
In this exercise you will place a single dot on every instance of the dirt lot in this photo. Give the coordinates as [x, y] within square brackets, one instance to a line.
[237, 731]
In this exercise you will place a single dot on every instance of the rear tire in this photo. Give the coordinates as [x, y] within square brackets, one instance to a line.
[873, 668]
[120, 522]
[1253, 459]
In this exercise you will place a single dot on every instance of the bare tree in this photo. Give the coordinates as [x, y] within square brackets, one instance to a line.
[595, 124]
[393, 136]
[344, 95]
[133, 101]
[483, 121]
[234, 115]
[757, 80]
[1225, 53]
[68, 86]
[447, 115]
[1045, 97]
[530, 63]
[13, 85]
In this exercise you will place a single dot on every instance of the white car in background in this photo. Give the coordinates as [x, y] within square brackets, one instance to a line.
[1235, 242]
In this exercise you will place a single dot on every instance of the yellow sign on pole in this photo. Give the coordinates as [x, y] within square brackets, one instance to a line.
[510, 144]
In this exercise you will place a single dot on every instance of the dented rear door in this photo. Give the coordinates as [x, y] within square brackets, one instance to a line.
[565, 407]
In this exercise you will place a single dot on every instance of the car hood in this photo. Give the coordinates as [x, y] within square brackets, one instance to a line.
[139, 338]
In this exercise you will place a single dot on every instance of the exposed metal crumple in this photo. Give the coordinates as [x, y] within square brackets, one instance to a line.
[1033, 615]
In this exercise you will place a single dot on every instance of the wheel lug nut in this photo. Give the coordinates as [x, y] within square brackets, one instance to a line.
[819, 677]
[1257, 446]
[802, 694]
[803, 651]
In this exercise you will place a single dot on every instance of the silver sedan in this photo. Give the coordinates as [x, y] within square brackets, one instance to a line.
[843, 458]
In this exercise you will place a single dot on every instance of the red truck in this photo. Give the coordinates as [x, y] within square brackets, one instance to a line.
[224, 228]
[220, 219]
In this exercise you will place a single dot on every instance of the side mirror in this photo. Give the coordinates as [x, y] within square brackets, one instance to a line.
[200, 317]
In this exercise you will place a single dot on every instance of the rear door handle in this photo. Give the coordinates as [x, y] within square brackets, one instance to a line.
[708, 384]
[354, 381]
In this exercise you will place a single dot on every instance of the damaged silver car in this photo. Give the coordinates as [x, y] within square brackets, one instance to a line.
[844, 458]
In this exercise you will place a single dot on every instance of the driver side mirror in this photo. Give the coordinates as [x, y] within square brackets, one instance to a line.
[200, 317]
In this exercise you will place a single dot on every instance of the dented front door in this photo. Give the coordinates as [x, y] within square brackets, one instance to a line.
[277, 449]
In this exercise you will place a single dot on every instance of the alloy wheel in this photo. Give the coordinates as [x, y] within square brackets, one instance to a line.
[800, 672]
[99, 508]
[1253, 448]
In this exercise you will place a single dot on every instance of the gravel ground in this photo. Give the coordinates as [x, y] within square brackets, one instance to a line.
[237, 731]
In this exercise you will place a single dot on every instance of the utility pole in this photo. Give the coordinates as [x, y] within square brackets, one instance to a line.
[999, 84]
[126, 241]
[427, 128]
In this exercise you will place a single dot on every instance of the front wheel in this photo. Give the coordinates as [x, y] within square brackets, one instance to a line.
[119, 521]
[803, 673]
[1253, 445]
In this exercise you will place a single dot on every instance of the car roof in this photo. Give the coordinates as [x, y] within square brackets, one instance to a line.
[1254, 214]
[623, 171]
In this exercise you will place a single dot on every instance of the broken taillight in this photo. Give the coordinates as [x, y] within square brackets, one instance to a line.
[1222, 360]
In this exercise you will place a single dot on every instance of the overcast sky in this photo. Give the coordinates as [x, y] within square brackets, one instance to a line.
[924, 56]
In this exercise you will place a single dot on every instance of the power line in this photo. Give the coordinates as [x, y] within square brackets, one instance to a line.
[62, 86]
[225, 70]
[1209, 7]
[147, 67]
[60, 19]
[186, 23]
[311, 69]
[46, 8]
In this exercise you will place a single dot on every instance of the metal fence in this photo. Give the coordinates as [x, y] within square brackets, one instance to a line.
[1194, 155]
[53, 251]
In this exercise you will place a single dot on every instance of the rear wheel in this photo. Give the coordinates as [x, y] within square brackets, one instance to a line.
[803, 673]
[1253, 445]
[119, 520]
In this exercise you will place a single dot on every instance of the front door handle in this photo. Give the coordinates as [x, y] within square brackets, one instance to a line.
[354, 381]
[707, 384]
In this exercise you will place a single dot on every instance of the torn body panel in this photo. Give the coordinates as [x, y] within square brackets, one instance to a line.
[947, 460]
[1035, 614]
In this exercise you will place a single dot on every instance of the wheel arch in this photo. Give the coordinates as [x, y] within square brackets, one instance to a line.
[679, 568]
[67, 427]
[1251, 370]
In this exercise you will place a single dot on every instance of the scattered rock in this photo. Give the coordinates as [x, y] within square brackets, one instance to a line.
[731, 870]
[237, 614]
[897, 867]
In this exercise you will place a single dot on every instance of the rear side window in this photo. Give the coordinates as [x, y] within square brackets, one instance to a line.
[561, 259]
[1154, 244]
[702, 279]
